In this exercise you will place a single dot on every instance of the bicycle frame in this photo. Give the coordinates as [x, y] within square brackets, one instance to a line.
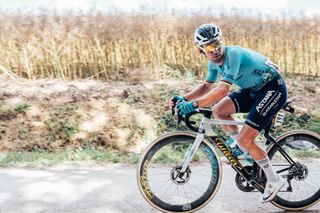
[205, 129]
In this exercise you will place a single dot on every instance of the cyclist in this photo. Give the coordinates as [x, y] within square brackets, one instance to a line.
[262, 94]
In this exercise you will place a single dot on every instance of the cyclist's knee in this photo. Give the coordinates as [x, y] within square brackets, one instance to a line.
[219, 111]
[215, 111]
[224, 108]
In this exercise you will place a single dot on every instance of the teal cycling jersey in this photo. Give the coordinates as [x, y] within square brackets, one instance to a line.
[243, 67]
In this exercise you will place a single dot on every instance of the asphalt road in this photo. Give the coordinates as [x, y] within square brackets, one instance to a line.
[107, 189]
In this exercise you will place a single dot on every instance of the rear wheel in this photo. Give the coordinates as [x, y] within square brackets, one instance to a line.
[302, 189]
[165, 187]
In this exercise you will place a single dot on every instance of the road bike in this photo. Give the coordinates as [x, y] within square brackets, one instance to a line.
[181, 171]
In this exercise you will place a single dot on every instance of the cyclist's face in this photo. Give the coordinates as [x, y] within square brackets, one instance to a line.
[212, 46]
[216, 56]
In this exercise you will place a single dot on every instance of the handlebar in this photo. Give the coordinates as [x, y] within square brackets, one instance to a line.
[186, 119]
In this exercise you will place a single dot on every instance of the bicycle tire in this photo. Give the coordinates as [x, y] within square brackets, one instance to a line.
[151, 151]
[285, 140]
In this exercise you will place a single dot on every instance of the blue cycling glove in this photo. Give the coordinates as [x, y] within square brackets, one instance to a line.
[185, 107]
[178, 98]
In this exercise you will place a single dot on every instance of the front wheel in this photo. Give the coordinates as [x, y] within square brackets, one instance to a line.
[165, 187]
[302, 189]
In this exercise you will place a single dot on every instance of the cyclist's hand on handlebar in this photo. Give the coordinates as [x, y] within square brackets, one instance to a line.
[185, 107]
[176, 99]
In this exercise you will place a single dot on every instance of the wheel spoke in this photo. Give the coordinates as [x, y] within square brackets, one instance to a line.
[191, 189]
[186, 196]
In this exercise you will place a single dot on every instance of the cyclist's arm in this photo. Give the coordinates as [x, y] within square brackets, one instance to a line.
[206, 86]
[199, 91]
[217, 94]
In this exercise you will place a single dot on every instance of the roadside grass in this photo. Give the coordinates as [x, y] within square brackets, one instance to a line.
[22, 107]
[96, 156]
[74, 157]
[91, 156]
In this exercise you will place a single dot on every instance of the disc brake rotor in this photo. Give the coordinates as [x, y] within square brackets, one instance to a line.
[180, 178]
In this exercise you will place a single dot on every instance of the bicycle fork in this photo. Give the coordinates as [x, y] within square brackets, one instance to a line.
[192, 149]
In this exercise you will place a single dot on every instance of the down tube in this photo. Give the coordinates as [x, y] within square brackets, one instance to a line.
[236, 165]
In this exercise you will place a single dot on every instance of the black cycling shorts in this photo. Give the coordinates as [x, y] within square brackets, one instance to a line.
[261, 105]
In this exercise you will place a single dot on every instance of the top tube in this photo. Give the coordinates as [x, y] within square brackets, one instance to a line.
[219, 122]
[206, 120]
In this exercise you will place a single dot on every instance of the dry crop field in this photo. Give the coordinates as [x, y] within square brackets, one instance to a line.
[107, 47]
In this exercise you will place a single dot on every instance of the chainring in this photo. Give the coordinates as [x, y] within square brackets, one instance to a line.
[242, 184]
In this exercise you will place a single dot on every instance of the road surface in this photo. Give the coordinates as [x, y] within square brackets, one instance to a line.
[105, 189]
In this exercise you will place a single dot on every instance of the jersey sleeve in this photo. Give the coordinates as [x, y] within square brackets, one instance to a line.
[232, 67]
[212, 73]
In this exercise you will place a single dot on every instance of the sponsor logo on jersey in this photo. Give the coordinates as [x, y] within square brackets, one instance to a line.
[228, 76]
[258, 72]
[252, 123]
[239, 77]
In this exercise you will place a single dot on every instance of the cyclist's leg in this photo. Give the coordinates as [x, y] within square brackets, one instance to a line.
[268, 101]
[247, 138]
[238, 101]
[274, 181]
[223, 110]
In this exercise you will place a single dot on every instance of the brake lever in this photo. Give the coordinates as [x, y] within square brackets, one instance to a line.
[180, 117]
[172, 111]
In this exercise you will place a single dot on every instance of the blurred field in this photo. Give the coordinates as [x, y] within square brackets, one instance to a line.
[120, 47]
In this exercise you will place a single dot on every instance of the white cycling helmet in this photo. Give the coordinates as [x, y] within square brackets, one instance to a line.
[207, 33]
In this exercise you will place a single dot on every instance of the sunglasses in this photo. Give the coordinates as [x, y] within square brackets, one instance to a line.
[211, 47]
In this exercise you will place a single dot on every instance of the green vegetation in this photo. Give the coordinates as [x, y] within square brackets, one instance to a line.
[304, 121]
[43, 158]
[310, 153]
[22, 107]
[174, 153]
[63, 122]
